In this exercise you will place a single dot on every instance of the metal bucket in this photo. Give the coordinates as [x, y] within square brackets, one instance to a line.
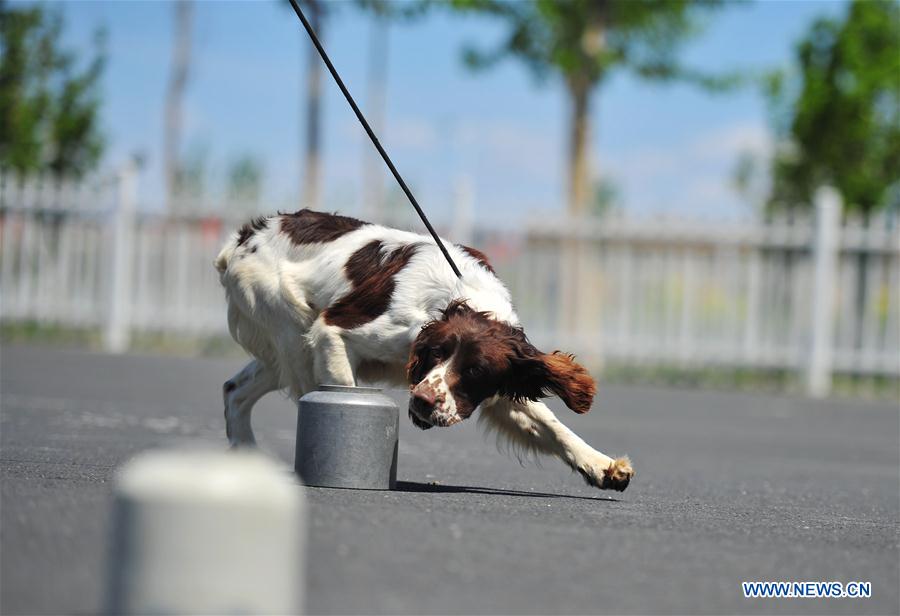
[347, 438]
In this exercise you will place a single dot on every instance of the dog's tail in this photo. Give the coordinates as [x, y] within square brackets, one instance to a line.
[240, 238]
[224, 256]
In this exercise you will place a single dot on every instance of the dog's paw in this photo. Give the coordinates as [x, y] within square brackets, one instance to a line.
[616, 476]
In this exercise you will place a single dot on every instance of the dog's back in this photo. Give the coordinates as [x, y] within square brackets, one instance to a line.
[377, 285]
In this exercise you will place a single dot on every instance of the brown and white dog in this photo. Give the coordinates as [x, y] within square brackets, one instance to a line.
[321, 298]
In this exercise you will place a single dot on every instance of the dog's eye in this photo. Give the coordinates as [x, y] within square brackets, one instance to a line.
[436, 353]
[474, 371]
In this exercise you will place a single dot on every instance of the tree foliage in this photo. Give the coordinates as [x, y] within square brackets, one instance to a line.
[48, 107]
[838, 116]
[585, 41]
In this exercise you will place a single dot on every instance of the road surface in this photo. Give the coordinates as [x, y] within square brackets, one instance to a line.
[729, 487]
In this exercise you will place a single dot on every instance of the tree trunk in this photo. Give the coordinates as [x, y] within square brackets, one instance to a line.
[579, 278]
[571, 274]
[581, 83]
[579, 152]
[312, 155]
[181, 57]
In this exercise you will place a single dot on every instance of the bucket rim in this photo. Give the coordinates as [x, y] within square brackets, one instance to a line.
[349, 389]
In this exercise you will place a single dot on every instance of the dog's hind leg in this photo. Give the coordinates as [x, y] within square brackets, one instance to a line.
[532, 426]
[240, 393]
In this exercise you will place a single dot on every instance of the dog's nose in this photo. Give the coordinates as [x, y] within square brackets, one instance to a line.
[425, 394]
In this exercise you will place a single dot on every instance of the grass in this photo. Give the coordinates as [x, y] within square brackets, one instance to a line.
[30, 332]
[92, 339]
[743, 379]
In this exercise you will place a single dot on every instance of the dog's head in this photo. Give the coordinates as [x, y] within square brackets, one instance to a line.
[466, 357]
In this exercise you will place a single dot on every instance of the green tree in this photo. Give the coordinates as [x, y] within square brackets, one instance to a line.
[838, 115]
[49, 109]
[585, 41]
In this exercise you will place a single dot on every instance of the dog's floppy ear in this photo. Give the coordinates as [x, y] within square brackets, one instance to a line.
[535, 375]
[415, 367]
[569, 380]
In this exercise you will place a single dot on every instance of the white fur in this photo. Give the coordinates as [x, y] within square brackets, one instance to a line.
[277, 294]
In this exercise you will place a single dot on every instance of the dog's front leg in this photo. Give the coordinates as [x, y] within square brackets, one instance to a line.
[331, 362]
[534, 426]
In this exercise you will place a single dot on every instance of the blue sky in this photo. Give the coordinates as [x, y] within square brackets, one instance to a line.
[669, 148]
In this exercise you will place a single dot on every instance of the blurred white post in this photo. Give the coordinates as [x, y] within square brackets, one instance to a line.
[118, 324]
[463, 209]
[206, 532]
[826, 244]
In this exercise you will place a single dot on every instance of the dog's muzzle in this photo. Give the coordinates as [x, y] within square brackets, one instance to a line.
[425, 415]
[422, 400]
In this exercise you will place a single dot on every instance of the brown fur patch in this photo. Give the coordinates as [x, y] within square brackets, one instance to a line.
[309, 227]
[372, 275]
[250, 228]
[478, 256]
[570, 381]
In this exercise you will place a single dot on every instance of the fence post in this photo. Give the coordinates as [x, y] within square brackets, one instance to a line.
[826, 244]
[118, 325]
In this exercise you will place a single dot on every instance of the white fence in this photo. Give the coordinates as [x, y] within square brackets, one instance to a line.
[82, 256]
[811, 295]
[817, 295]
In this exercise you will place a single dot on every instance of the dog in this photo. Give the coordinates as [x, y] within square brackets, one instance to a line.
[320, 298]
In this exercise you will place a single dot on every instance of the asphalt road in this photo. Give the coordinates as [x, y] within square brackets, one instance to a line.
[729, 487]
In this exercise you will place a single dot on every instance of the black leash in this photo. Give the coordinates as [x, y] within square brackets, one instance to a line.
[362, 120]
